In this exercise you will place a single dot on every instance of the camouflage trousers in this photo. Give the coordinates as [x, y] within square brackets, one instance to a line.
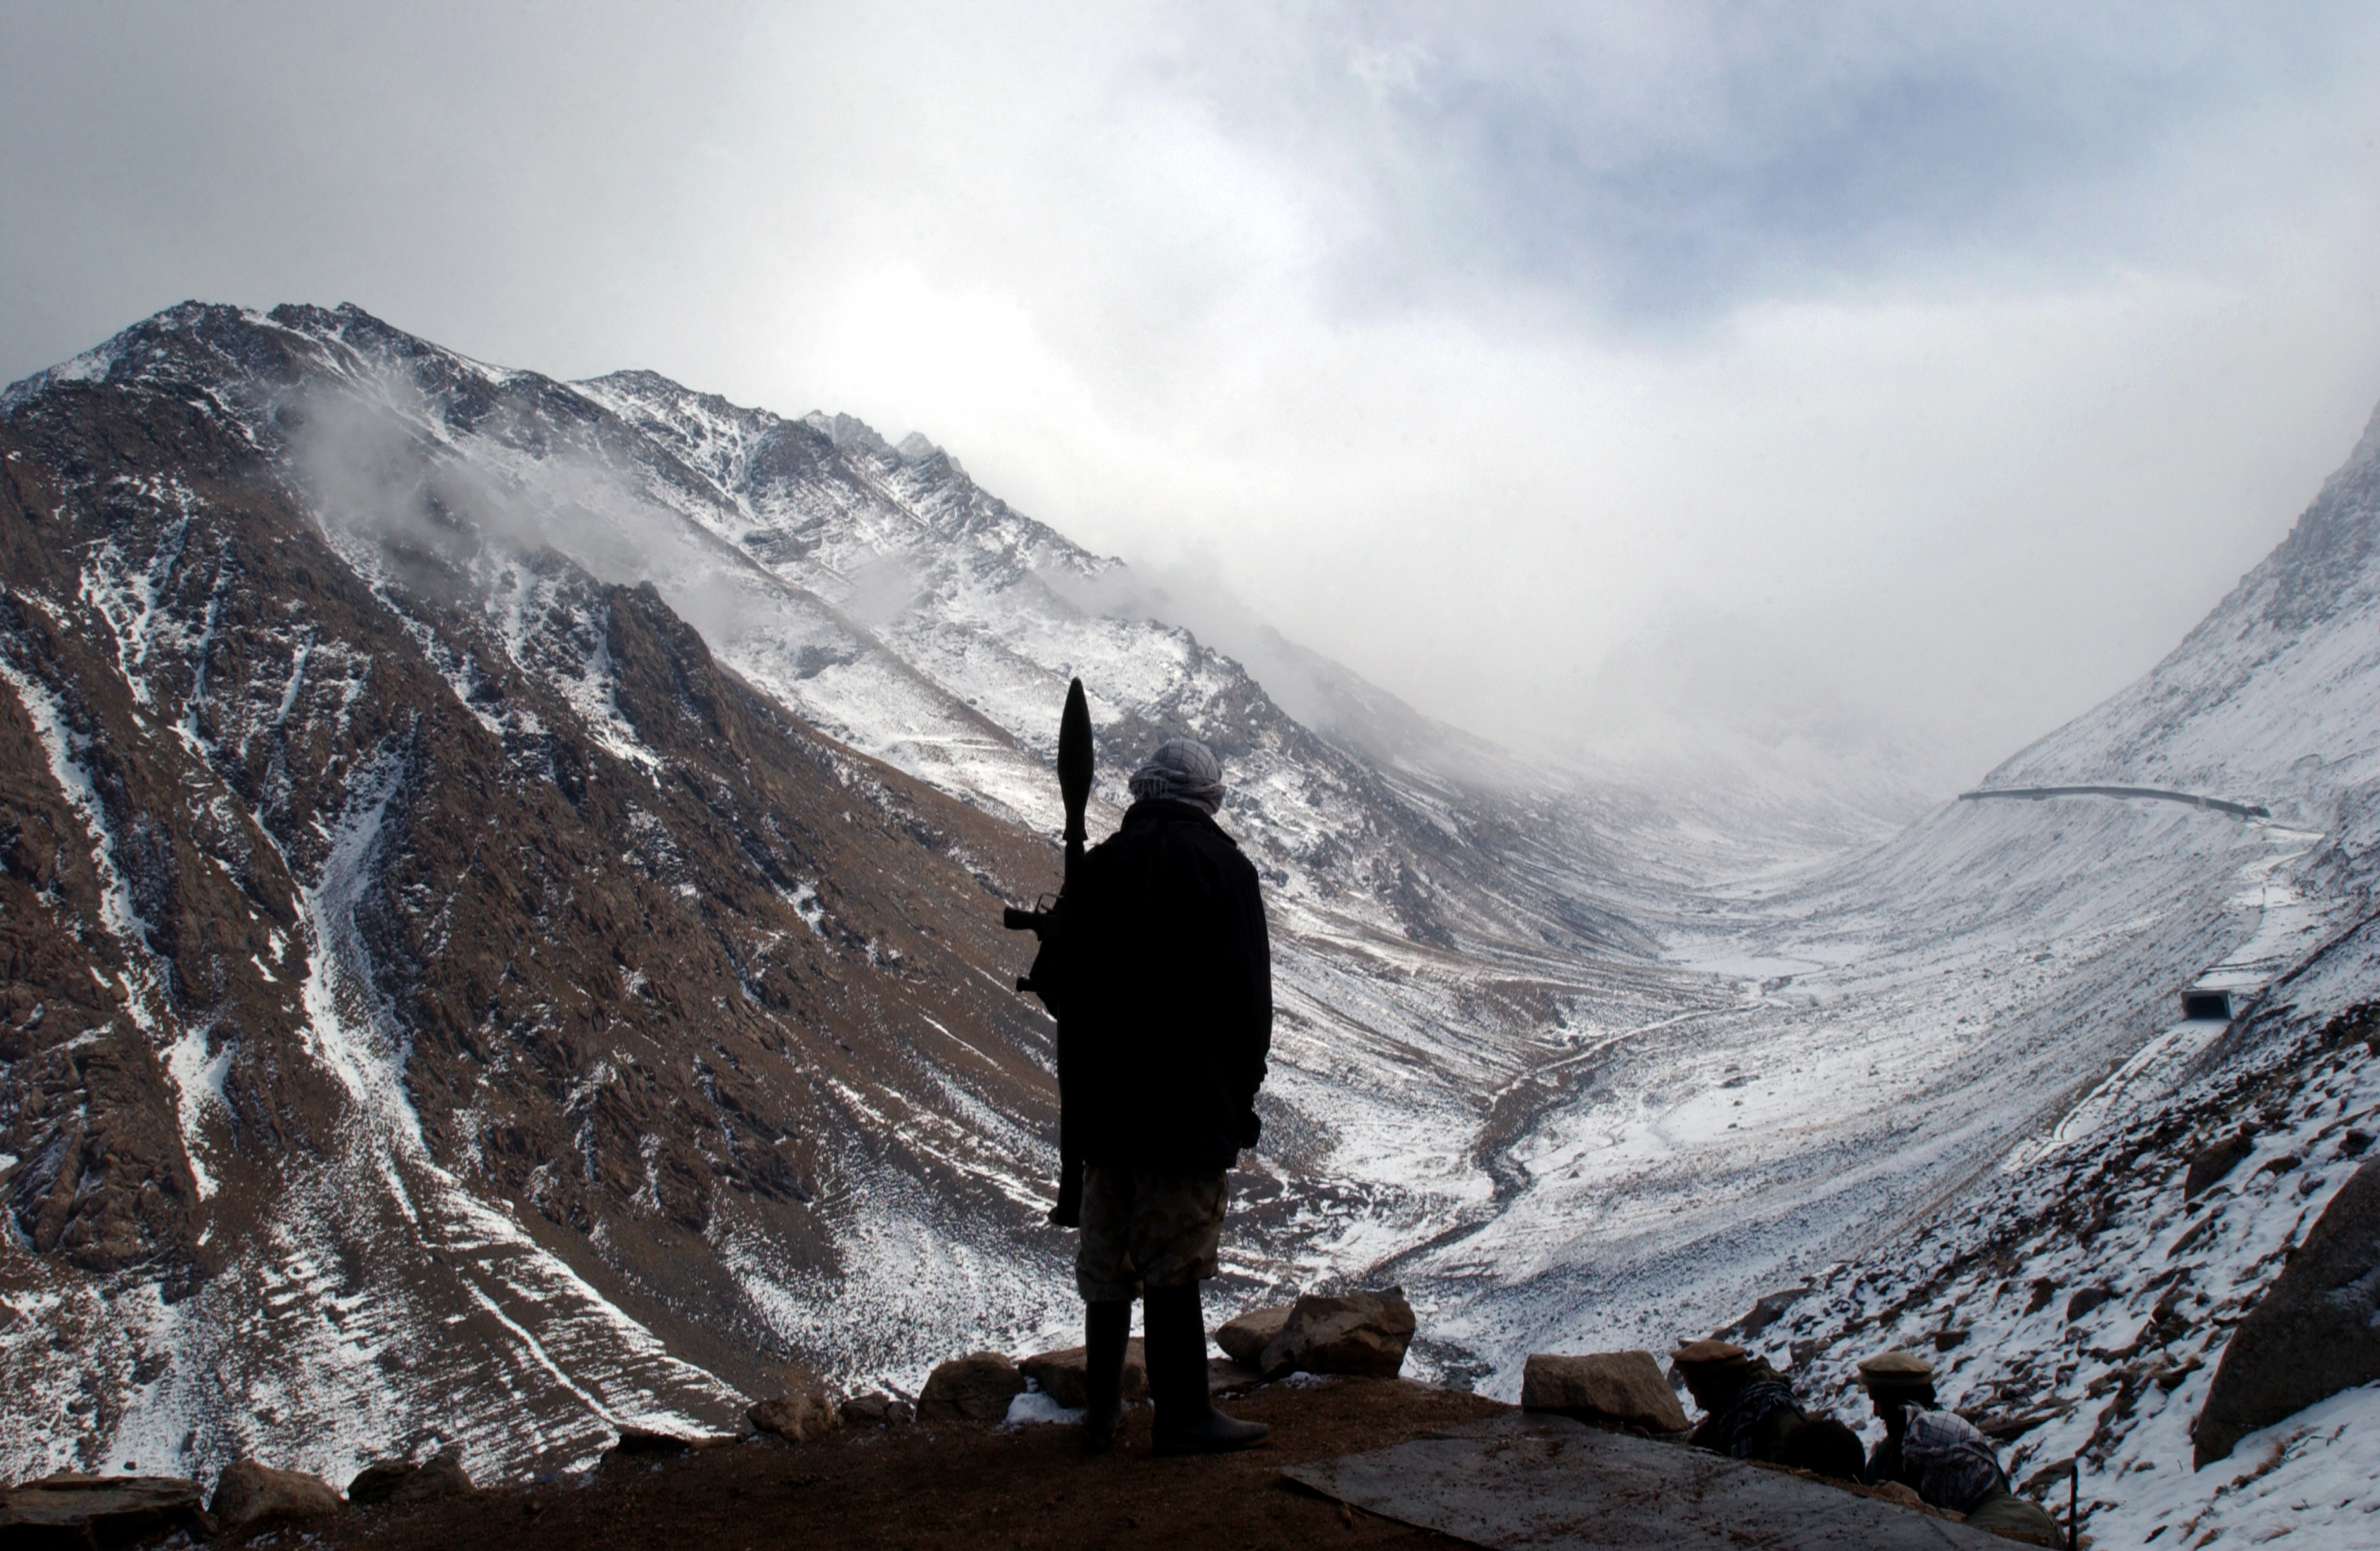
[1146, 1228]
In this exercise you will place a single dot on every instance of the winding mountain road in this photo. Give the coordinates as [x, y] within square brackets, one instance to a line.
[2220, 804]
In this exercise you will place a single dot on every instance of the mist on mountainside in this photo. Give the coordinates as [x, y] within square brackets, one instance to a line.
[365, 449]
[1712, 715]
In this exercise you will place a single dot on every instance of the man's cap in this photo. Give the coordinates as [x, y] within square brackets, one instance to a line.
[1711, 1354]
[1896, 1370]
[1183, 770]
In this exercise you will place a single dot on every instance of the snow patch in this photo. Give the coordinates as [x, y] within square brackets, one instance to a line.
[64, 749]
[198, 1076]
[352, 1029]
[1034, 1409]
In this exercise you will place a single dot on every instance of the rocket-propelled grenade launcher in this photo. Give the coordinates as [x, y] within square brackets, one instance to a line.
[1047, 924]
[1074, 787]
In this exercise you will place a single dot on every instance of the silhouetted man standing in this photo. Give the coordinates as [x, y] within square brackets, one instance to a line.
[1165, 972]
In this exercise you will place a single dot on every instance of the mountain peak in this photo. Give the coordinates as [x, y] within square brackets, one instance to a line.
[846, 431]
[914, 448]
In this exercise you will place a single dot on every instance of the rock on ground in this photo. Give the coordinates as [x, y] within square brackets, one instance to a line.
[1243, 1336]
[2212, 1162]
[2314, 1332]
[1764, 1313]
[1061, 1374]
[71, 1510]
[249, 1496]
[975, 1388]
[1360, 1333]
[643, 1442]
[804, 1411]
[877, 1409]
[377, 1481]
[401, 1481]
[1521, 1480]
[1624, 1388]
[2086, 1299]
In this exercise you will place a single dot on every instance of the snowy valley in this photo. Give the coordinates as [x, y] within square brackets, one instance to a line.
[503, 893]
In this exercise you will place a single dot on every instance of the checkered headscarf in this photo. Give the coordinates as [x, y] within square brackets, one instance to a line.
[1183, 770]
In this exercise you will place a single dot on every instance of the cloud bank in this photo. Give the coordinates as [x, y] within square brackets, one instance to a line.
[1905, 378]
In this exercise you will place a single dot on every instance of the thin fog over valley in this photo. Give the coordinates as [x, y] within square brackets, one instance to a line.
[1790, 620]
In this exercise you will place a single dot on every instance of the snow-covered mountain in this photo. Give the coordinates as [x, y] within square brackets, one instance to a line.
[524, 857]
[2270, 695]
[1953, 1106]
[500, 892]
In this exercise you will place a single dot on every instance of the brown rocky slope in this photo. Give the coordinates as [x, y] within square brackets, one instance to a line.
[364, 989]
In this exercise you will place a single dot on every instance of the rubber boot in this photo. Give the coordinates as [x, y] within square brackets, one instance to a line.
[1107, 1330]
[1186, 1422]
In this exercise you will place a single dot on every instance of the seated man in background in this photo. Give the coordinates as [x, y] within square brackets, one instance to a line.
[1751, 1413]
[1940, 1456]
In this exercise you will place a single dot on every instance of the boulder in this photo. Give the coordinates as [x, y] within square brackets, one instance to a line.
[1061, 1375]
[1245, 1335]
[877, 1411]
[377, 1481]
[1618, 1388]
[249, 1496]
[975, 1388]
[1223, 1376]
[440, 1476]
[2086, 1299]
[2210, 1163]
[1765, 1313]
[2314, 1332]
[72, 1510]
[1364, 1333]
[804, 1411]
[639, 1442]
[402, 1482]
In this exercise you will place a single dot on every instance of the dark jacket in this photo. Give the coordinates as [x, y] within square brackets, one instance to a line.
[1163, 976]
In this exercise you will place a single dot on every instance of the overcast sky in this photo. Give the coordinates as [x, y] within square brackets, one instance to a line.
[1915, 374]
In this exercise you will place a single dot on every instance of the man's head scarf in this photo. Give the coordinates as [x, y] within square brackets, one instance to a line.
[1183, 770]
[1955, 1462]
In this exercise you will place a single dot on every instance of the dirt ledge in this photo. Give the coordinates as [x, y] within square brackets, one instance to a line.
[955, 1486]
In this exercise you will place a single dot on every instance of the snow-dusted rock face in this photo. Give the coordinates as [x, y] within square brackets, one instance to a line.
[997, 612]
[2269, 699]
[2079, 1306]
